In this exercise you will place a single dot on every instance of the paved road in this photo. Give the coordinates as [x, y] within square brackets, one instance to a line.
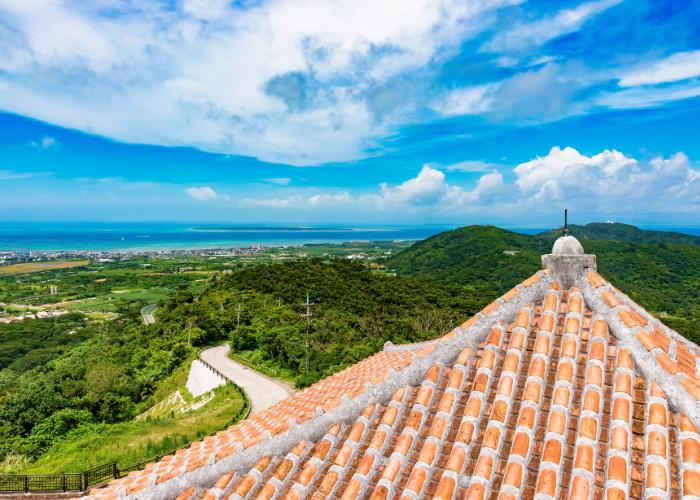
[147, 313]
[262, 391]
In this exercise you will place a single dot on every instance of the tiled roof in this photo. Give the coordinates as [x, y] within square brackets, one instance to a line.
[548, 392]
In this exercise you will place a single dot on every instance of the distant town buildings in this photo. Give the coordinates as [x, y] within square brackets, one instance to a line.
[33, 315]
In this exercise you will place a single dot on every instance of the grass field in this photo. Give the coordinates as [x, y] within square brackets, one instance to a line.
[135, 441]
[37, 267]
[109, 302]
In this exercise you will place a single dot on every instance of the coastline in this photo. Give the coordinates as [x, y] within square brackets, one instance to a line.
[45, 237]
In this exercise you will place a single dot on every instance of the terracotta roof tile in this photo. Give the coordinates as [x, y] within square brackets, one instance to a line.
[549, 399]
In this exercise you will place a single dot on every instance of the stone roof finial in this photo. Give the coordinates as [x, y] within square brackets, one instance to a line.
[568, 260]
[567, 245]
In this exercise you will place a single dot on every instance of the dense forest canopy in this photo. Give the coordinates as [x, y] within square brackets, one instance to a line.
[67, 373]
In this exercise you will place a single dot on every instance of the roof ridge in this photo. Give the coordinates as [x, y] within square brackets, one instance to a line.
[661, 353]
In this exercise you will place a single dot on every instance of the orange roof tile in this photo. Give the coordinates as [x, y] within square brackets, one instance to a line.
[548, 391]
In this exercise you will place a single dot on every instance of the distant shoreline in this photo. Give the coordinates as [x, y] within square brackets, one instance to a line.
[47, 237]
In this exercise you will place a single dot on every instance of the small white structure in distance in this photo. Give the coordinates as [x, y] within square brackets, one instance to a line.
[202, 379]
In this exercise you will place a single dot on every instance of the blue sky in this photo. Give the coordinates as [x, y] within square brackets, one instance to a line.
[316, 111]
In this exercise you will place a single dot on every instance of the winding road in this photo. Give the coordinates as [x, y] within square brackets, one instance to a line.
[147, 313]
[263, 391]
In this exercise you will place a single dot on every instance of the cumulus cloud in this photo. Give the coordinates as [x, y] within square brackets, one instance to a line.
[564, 164]
[605, 184]
[430, 190]
[608, 182]
[488, 188]
[427, 188]
[284, 81]
[204, 193]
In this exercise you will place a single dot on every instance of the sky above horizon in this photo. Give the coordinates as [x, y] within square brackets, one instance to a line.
[320, 111]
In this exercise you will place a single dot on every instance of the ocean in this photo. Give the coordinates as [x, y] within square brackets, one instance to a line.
[109, 236]
[112, 236]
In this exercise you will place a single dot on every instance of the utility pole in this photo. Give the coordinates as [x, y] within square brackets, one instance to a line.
[279, 301]
[307, 315]
[238, 310]
[189, 333]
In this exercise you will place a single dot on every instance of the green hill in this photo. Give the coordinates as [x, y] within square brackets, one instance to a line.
[616, 231]
[486, 257]
[661, 274]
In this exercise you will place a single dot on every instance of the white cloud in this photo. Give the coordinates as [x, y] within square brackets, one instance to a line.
[537, 95]
[427, 188]
[294, 201]
[470, 166]
[488, 188]
[199, 75]
[645, 97]
[11, 175]
[204, 193]
[608, 182]
[45, 142]
[566, 163]
[527, 35]
[601, 185]
[679, 66]
[427, 191]
[466, 101]
[330, 198]
[280, 181]
[208, 10]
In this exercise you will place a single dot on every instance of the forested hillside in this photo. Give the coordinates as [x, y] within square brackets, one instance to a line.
[70, 373]
[624, 233]
[355, 312]
[664, 277]
[71, 377]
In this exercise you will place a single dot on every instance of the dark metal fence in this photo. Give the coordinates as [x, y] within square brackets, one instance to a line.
[100, 474]
[46, 482]
[60, 482]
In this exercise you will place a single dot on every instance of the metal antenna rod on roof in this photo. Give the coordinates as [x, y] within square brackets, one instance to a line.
[566, 222]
